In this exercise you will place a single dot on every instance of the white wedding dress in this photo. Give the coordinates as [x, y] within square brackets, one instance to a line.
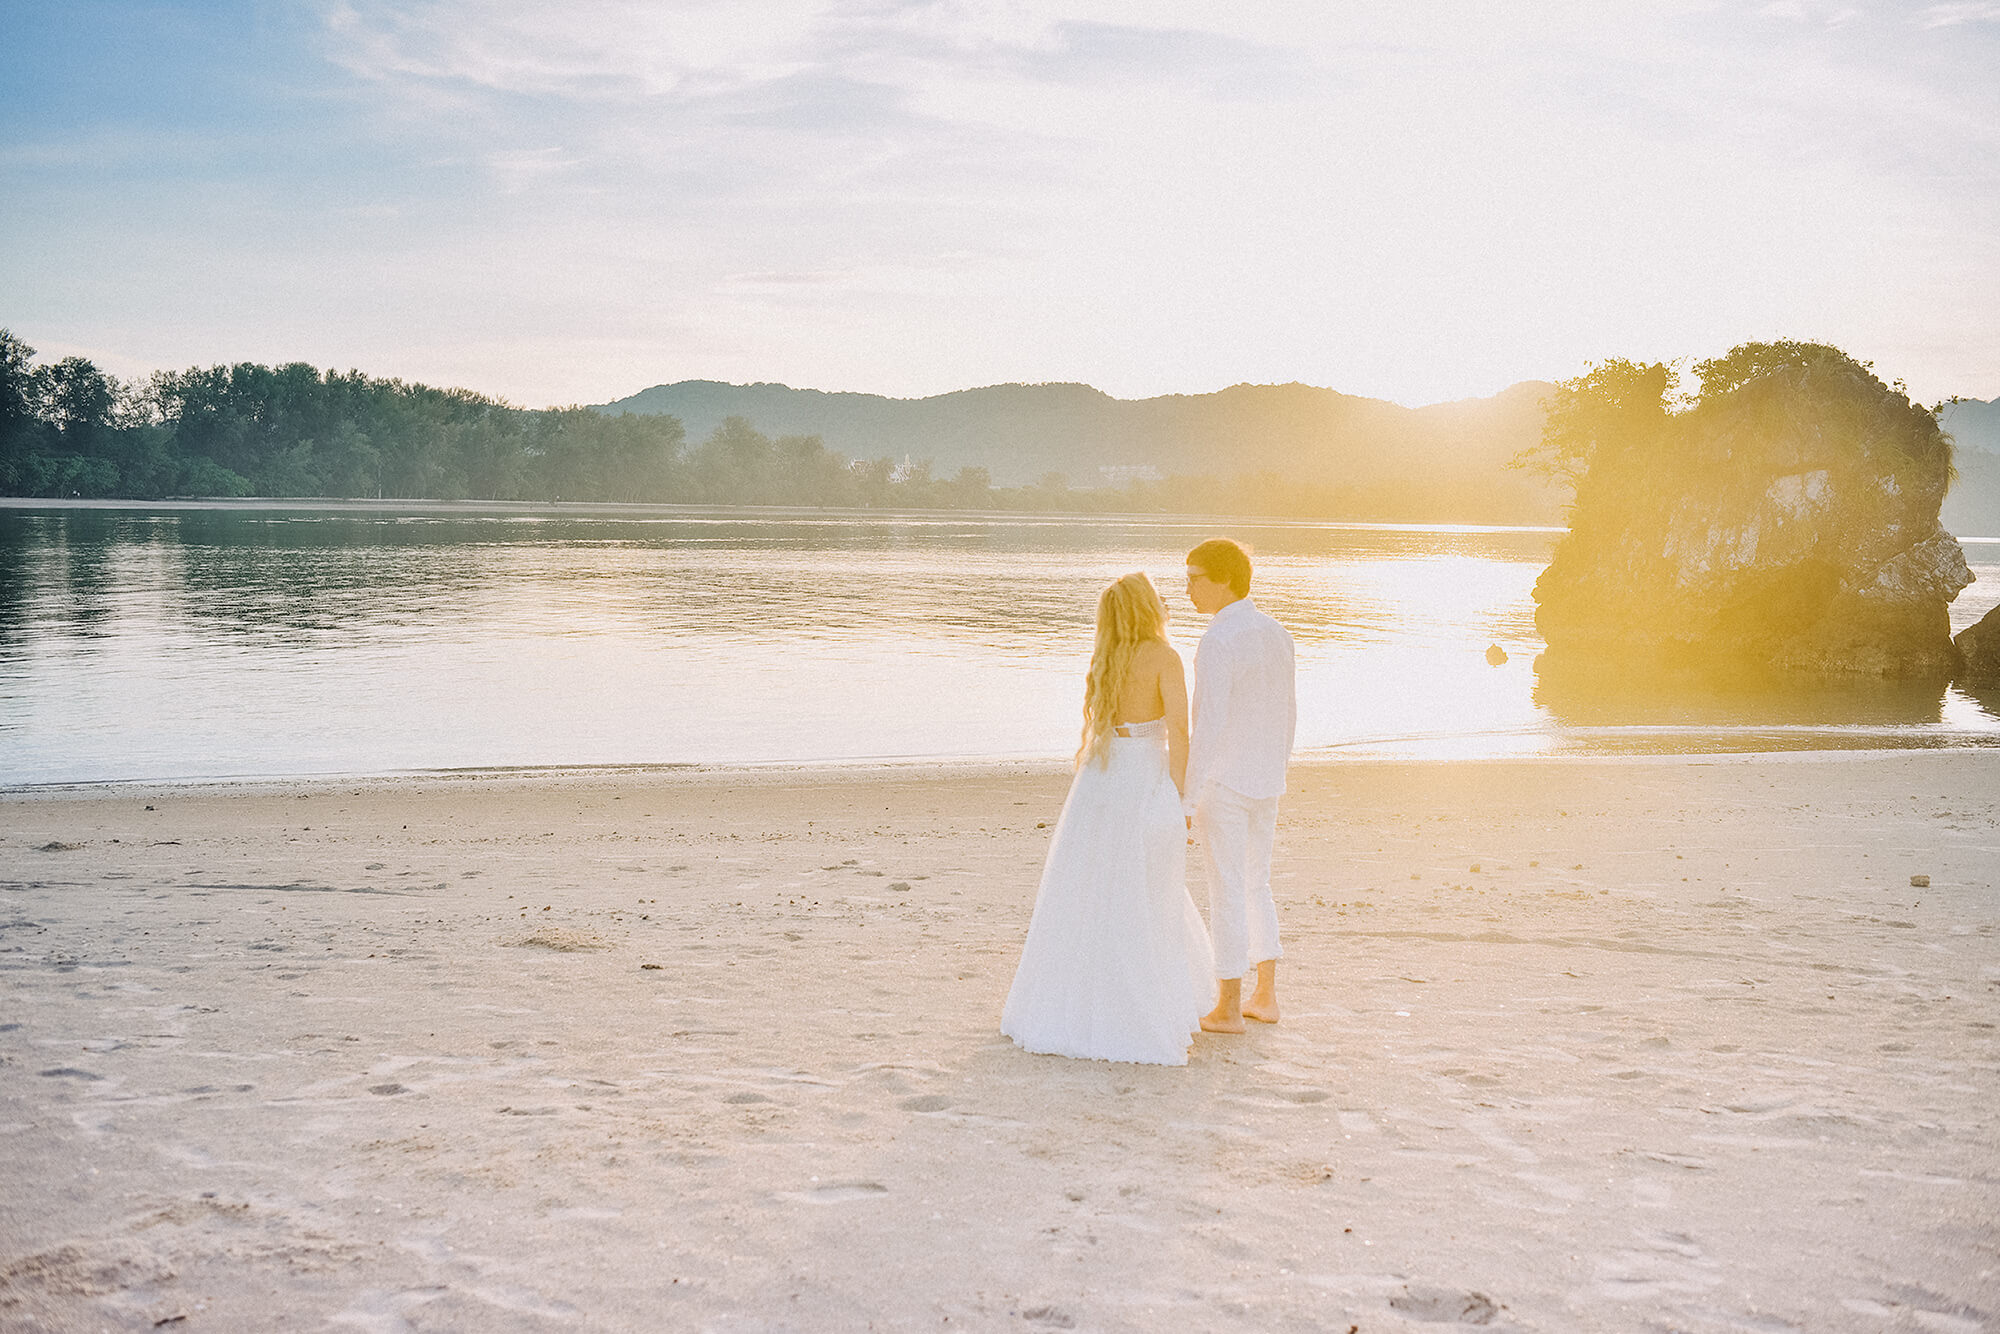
[1117, 965]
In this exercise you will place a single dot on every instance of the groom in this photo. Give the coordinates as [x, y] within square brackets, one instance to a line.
[1245, 711]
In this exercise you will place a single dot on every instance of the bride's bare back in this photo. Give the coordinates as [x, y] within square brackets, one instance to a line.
[1156, 687]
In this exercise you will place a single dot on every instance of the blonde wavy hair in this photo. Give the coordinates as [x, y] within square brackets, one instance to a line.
[1129, 613]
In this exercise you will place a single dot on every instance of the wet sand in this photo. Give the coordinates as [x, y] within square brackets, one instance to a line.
[1576, 1045]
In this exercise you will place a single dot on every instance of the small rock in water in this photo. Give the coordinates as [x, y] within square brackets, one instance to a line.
[1920, 882]
[1495, 655]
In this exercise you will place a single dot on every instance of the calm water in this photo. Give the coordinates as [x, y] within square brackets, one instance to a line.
[197, 642]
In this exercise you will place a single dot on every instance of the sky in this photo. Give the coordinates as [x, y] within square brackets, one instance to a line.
[1418, 202]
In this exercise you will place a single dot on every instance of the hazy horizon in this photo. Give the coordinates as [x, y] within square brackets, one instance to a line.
[1066, 384]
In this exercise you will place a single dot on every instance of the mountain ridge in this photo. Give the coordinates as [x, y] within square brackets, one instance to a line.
[1443, 461]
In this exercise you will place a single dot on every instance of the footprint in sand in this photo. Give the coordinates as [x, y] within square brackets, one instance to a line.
[1931, 1310]
[91, 1266]
[1655, 1266]
[841, 1192]
[1442, 1306]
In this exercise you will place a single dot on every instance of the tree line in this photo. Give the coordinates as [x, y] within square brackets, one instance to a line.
[68, 429]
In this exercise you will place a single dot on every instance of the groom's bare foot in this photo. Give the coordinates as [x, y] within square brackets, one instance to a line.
[1217, 1021]
[1227, 1016]
[1263, 1003]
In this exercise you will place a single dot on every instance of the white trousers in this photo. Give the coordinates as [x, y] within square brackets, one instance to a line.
[1236, 834]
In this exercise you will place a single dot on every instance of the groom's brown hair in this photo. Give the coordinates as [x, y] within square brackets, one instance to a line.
[1224, 561]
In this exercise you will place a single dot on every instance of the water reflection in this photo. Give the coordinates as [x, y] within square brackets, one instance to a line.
[1581, 697]
[1984, 698]
[1607, 709]
[63, 565]
[178, 643]
[19, 545]
[288, 573]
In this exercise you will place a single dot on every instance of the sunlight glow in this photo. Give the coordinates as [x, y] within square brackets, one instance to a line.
[1420, 203]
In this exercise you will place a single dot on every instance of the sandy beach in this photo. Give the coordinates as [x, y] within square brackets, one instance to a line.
[1568, 1045]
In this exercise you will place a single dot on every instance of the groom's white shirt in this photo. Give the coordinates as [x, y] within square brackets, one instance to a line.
[1245, 706]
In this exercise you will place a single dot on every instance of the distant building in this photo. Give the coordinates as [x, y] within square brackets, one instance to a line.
[1120, 475]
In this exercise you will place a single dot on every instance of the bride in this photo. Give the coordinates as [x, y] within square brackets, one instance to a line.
[1117, 963]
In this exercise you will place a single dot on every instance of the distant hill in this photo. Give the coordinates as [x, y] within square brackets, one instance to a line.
[1446, 462]
[1442, 463]
[1972, 509]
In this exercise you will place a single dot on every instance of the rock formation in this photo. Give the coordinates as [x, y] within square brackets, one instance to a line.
[1787, 522]
[1979, 649]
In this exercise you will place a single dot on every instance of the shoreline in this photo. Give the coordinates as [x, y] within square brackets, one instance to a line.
[949, 769]
[1626, 1043]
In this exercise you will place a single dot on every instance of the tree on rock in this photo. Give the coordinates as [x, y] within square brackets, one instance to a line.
[1782, 519]
[1613, 407]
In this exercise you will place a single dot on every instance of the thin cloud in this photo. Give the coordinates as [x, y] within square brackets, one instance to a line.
[1203, 63]
[623, 50]
[525, 169]
[590, 50]
[113, 148]
[1408, 201]
[1957, 15]
[782, 281]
